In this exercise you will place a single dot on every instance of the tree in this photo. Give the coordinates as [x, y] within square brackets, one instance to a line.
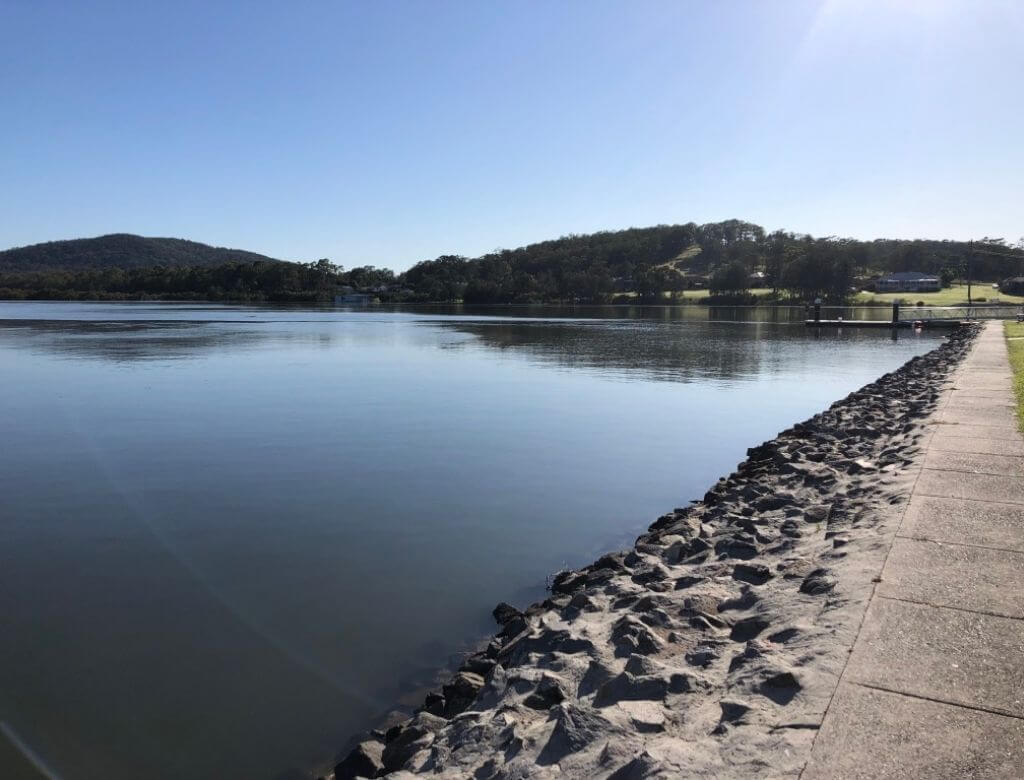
[731, 279]
[651, 283]
[819, 269]
[775, 258]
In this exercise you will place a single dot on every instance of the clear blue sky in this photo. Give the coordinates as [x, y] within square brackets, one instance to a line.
[390, 132]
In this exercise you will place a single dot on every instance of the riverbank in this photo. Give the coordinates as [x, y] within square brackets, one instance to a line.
[714, 646]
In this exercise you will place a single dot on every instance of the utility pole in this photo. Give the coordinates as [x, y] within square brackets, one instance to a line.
[970, 259]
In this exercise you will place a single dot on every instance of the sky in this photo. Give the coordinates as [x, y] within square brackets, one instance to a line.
[385, 133]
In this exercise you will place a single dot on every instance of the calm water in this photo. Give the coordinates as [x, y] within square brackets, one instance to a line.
[232, 536]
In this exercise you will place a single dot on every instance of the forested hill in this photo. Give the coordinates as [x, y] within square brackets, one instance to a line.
[725, 256]
[120, 250]
[652, 264]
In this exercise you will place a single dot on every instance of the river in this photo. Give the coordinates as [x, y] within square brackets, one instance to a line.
[233, 535]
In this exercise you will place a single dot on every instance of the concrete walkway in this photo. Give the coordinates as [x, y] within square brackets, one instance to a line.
[934, 687]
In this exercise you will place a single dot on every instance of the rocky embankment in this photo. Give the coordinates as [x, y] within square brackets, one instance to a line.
[713, 647]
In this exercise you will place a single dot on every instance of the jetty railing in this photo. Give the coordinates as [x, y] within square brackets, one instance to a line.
[911, 312]
[981, 311]
[906, 315]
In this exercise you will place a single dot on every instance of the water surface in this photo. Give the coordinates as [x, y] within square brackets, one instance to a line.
[231, 536]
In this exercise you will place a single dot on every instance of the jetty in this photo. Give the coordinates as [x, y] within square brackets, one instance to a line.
[921, 316]
[929, 323]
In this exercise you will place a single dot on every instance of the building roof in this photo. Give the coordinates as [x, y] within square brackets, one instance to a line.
[909, 276]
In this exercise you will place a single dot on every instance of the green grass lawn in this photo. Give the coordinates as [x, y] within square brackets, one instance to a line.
[951, 296]
[1015, 344]
[693, 295]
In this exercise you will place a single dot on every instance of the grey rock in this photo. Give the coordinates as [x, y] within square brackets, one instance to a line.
[460, 692]
[583, 602]
[547, 641]
[649, 574]
[702, 655]
[780, 685]
[754, 573]
[688, 582]
[641, 665]
[745, 600]
[817, 513]
[568, 581]
[740, 546]
[753, 651]
[629, 687]
[599, 577]
[434, 704]
[818, 582]
[629, 635]
[478, 663]
[785, 635]
[776, 501]
[549, 692]
[748, 628]
[516, 625]
[503, 613]
[412, 737]
[597, 674]
[791, 528]
[612, 561]
[642, 767]
[734, 712]
[364, 761]
[576, 727]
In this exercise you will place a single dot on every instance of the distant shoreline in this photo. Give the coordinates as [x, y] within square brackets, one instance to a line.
[872, 304]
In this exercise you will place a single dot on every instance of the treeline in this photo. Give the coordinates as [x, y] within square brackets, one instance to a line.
[727, 257]
[255, 281]
[650, 264]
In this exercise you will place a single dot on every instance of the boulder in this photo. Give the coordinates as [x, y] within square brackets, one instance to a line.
[749, 627]
[364, 761]
[754, 573]
[434, 704]
[549, 692]
[568, 581]
[742, 546]
[640, 768]
[818, 582]
[575, 728]
[478, 663]
[780, 685]
[548, 640]
[460, 692]
[504, 612]
[632, 636]
[411, 737]
[645, 716]
[630, 687]
[702, 655]
[817, 513]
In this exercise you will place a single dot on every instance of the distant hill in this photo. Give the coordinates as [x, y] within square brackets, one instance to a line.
[650, 263]
[658, 264]
[121, 250]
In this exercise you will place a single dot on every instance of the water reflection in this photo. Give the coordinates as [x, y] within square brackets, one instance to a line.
[673, 352]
